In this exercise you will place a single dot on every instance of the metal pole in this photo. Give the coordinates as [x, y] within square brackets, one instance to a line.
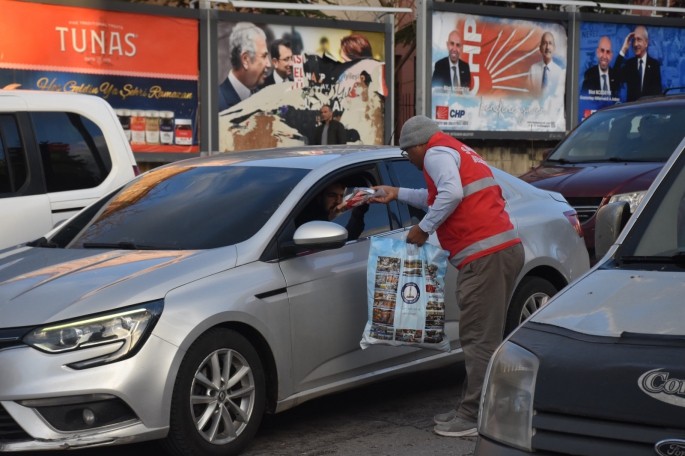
[421, 54]
[389, 20]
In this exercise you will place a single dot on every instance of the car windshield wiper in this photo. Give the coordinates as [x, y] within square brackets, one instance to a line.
[620, 159]
[125, 246]
[42, 242]
[563, 161]
[678, 258]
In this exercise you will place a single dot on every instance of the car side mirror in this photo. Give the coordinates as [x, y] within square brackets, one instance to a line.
[611, 219]
[317, 235]
[546, 153]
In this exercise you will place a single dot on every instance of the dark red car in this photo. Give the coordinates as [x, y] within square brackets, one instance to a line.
[613, 155]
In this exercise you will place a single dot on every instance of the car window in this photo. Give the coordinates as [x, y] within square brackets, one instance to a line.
[640, 133]
[13, 170]
[73, 151]
[360, 222]
[409, 177]
[184, 207]
[660, 229]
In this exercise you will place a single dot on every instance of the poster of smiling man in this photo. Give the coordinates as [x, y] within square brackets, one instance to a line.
[275, 80]
[497, 74]
[620, 63]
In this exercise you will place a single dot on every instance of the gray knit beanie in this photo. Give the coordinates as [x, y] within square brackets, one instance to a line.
[417, 130]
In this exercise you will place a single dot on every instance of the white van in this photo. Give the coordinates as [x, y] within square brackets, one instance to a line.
[600, 370]
[59, 152]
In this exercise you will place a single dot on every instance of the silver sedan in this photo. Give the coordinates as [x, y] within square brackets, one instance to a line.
[203, 293]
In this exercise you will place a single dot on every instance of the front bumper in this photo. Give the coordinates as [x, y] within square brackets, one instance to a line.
[144, 382]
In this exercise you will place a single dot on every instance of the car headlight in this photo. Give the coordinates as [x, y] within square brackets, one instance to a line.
[128, 328]
[506, 407]
[634, 199]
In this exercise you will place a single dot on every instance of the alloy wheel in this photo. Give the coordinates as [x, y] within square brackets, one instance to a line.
[533, 303]
[222, 396]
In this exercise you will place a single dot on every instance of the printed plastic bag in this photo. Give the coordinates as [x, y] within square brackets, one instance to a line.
[356, 196]
[405, 286]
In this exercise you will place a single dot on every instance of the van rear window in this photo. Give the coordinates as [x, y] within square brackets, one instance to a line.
[73, 151]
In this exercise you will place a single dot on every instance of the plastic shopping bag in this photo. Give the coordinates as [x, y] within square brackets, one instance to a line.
[406, 298]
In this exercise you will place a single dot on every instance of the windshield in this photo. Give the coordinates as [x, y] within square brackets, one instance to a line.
[638, 133]
[659, 232]
[183, 207]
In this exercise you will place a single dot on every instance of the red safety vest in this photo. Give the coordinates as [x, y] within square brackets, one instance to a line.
[479, 225]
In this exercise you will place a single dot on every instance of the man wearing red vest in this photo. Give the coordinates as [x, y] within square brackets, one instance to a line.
[465, 208]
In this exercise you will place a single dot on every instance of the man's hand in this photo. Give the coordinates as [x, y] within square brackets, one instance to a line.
[391, 194]
[626, 43]
[417, 236]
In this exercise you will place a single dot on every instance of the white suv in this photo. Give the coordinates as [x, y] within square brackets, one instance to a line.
[59, 152]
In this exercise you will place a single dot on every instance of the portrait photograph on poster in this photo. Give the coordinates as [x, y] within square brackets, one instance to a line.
[498, 74]
[621, 62]
[286, 85]
[130, 60]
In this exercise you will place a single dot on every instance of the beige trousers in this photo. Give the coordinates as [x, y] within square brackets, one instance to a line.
[484, 288]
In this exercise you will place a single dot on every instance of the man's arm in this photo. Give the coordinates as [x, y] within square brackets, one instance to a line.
[342, 134]
[442, 167]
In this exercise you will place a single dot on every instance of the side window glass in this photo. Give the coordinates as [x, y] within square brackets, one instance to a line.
[410, 177]
[362, 221]
[13, 167]
[73, 151]
[5, 184]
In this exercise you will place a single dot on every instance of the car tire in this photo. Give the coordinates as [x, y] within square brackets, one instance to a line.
[530, 295]
[212, 420]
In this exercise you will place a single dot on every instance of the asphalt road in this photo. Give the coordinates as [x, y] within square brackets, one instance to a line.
[393, 417]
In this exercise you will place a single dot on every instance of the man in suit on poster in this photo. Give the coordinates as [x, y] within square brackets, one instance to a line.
[641, 73]
[546, 77]
[250, 62]
[600, 79]
[282, 61]
[451, 71]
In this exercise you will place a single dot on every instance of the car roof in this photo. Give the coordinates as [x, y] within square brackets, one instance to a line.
[303, 157]
[675, 99]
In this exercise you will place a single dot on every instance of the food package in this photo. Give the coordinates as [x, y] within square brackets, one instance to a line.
[406, 297]
[356, 196]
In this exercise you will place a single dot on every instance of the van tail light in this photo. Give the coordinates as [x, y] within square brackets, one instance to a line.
[572, 217]
[136, 171]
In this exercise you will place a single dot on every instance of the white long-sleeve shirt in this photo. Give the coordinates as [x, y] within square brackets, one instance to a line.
[442, 165]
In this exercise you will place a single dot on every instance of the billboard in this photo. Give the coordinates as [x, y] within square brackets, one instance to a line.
[274, 81]
[498, 74]
[621, 63]
[145, 66]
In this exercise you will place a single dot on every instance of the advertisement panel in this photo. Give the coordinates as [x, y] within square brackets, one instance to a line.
[498, 74]
[621, 63]
[145, 66]
[275, 80]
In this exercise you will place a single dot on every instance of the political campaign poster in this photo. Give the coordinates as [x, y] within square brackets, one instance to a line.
[145, 66]
[621, 63]
[279, 84]
[498, 74]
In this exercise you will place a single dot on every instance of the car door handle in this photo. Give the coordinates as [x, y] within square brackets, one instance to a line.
[268, 294]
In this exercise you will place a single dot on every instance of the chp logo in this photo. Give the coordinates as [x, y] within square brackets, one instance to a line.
[445, 113]
[657, 384]
[410, 293]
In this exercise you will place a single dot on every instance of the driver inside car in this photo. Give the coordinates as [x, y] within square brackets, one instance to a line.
[327, 206]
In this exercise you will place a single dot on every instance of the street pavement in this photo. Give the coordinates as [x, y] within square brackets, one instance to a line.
[392, 417]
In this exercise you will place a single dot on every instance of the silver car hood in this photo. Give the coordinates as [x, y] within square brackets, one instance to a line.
[40, 285]
[610, 302]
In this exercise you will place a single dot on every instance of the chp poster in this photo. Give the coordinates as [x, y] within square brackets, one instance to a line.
[145, 66]
[274, 80]
[610, 70]
[498, 74]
